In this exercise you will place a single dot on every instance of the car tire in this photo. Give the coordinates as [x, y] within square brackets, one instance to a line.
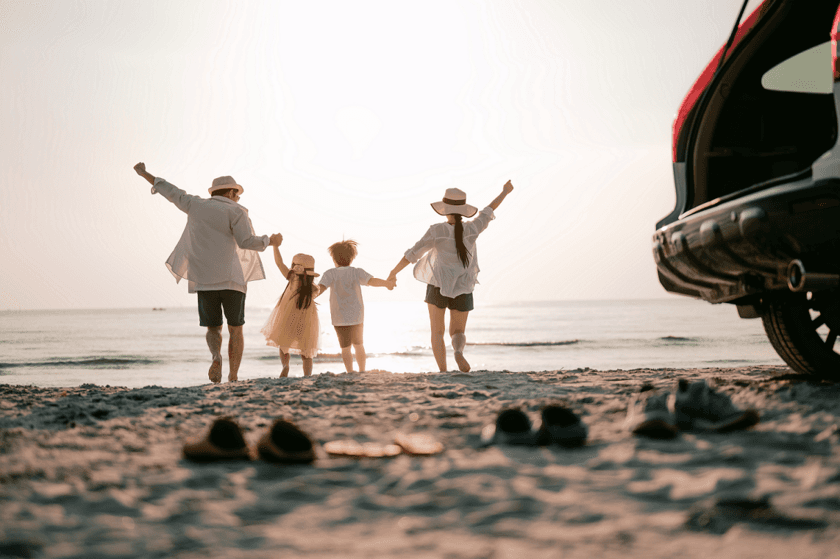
[803, 329]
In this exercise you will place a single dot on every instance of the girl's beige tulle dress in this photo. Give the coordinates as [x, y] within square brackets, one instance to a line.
[290, 328]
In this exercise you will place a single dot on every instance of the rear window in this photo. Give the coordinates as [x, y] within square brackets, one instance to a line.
[809, 71]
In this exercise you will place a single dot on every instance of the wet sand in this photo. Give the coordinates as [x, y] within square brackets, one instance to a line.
[97, 471]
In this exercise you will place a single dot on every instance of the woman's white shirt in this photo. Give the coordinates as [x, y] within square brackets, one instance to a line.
[437, 261]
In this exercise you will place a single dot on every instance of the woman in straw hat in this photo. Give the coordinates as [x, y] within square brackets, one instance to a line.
[446, 261]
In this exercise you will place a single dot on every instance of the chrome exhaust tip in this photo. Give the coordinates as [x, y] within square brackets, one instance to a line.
[799, 280]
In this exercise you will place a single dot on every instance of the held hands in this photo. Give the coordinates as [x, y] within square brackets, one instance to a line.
[275, 240]
[390, 284]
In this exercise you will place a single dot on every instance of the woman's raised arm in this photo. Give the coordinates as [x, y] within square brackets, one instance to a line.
[506, 189]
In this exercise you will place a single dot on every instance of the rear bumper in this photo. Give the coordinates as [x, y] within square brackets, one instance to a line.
[742, 247]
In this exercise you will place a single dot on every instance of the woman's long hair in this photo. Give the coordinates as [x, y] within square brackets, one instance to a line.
[304, 292]
[463, 253]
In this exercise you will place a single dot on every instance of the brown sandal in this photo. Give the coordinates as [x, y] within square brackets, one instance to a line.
[223, 441]
[285, 443]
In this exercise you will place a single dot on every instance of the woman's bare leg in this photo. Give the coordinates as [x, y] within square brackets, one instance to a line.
[284, 359]
[438, 327]
[361, 356]
[347, 357]
[457, 329]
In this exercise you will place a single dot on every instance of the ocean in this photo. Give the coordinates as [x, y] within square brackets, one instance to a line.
[166, 347]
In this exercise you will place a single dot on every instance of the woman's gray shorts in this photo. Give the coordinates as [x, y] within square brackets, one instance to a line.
[463, 303]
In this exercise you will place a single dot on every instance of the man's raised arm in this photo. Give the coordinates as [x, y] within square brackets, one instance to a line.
[169, 191]
[141, 170]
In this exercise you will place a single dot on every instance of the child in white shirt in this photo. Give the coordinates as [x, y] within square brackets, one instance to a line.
[346, 305]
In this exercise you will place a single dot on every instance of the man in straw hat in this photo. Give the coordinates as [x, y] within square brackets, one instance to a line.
[217, 255]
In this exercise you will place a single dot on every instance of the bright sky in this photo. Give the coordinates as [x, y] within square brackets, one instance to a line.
[342, 119]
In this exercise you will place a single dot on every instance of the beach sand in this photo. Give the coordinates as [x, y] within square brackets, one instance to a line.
[97, 471]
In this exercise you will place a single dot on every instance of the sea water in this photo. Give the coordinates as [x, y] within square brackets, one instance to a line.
[166, 347]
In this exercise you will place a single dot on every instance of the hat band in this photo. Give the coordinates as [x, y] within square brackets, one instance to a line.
[452, 202]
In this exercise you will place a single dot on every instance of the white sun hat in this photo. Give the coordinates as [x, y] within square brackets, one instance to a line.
[454, 202]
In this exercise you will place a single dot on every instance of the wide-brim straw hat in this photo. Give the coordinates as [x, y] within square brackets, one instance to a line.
[222, 183]
[454, 202]
[306, 262]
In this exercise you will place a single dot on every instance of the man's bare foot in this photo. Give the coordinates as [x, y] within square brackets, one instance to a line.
[233, 377]
[463, 365]
[215, 372]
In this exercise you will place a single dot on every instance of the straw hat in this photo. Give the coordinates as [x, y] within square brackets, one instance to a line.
[304, 264]
[454, 202]
[225, 182]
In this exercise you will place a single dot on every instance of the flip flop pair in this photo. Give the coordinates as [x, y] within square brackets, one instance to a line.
[284, 442]
[559, 425]
[414, 444]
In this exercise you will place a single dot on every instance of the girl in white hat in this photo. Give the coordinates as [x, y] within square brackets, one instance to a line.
[446, 261]
[293, 324]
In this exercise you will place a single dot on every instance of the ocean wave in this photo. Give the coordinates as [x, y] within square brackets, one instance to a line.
[85, 363]
[525, 344]
[336, 357]
[677, 339]
[733, 361]
[320, 358]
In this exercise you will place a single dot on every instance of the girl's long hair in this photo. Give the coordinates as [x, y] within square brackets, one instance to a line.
[463, 253]
[304, 292]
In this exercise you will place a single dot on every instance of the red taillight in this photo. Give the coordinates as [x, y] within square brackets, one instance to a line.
[835, 32]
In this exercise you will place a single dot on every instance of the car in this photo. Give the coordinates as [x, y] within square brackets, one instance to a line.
[756, 162]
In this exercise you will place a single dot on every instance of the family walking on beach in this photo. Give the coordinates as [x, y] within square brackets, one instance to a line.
[217, 255]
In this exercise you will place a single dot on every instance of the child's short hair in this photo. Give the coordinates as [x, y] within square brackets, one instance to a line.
[344, 253]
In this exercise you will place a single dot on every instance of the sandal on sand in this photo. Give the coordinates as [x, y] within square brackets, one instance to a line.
[698, 407]
[512, 427]
[354, 449]
[285, 443]
[649, 415]
[418, 444]
[223, 441]
[561, 426]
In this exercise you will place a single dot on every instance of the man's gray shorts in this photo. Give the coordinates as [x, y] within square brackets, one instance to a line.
[211, 304]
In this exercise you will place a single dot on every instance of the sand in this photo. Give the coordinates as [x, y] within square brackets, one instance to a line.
[97, 471]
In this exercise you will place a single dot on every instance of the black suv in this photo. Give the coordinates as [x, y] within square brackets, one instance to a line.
[757, 176]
